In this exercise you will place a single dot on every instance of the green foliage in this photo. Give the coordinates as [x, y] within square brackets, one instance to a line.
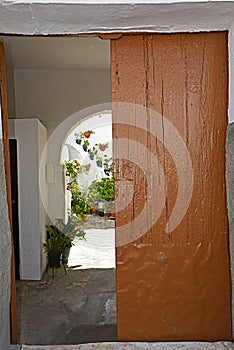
[105, 189]
[71, 229]
[56, 240]
[73, 167]
[79, 203]
[92, 194]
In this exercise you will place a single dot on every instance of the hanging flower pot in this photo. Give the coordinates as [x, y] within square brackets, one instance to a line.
[78, 141]
[85, 145]
[87, 167]
[99, 163]
[88, 133]
[108, 214]
[103, 146]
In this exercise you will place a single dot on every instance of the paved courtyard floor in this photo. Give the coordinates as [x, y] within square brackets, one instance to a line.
[138, 346]
[76, 307]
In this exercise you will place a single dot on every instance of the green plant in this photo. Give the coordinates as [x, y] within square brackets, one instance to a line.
[108, 167]
[92, 194]
[79, 203]
[88, 133]
[102, 146]
[71, 229]
[73, 168]
[105, 189]
[99, 160]
[55, 244]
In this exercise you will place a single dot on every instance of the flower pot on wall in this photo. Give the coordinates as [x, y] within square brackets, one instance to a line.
[99, 163]
[78, 141]
[94, 210]
[108, 214]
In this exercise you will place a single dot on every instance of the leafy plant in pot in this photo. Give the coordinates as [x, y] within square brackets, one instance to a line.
[55, 244]
[59, 240]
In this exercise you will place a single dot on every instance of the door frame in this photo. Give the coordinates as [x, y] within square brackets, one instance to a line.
[221, 17]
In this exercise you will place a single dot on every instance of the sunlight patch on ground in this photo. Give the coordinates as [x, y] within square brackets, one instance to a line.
[98, 251]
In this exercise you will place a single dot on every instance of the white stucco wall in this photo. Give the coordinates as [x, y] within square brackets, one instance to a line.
[54, 95]
[31, 137]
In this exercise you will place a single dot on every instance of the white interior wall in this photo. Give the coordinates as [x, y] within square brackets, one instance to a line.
[54, 95]
[31, 137]
[43, 191]
[57, 97]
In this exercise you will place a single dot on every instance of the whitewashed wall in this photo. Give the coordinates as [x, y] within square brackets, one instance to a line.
[54, 95]
[31, 137]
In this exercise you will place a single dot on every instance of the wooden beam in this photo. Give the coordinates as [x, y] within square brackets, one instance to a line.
[110, 36]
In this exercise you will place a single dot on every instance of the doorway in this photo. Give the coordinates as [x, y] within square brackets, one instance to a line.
[15, 204]
[178, 77]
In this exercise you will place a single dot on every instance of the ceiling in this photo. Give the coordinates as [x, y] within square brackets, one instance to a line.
[56, 52]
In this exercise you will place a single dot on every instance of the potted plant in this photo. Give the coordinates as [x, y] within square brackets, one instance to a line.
[79, 138]
[103, 146]
[108, 166]
[70, 230]
[85, 145]
[79, 202]
[92, 153]
[55, 244]
[99, 161]
[88, 133]
[73, 167]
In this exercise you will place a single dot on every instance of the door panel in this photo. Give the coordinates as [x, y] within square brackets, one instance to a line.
[173, 275]
[4, 114]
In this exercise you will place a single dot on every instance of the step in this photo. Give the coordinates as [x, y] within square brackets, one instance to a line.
[134, 346]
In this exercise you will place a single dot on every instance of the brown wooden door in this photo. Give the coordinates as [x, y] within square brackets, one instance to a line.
[173, 272]
[4, 115]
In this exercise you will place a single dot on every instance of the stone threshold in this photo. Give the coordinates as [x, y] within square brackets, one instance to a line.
[133, 346]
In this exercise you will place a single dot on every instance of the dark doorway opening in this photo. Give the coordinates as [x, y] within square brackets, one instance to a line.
[14, 203]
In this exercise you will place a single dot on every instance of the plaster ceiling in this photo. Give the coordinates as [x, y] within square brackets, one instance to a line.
[57, 52]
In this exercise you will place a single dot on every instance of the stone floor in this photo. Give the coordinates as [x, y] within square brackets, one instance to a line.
[77, 307]
[138, 346]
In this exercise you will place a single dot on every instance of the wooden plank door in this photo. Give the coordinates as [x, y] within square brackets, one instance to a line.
[4, 114]
[169, 129]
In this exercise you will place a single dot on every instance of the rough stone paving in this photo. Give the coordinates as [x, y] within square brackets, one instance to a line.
[77, 307]
[138, 346]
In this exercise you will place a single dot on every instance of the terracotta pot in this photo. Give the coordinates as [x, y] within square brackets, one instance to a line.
[87, 135]
[108, 214]
[94, 211]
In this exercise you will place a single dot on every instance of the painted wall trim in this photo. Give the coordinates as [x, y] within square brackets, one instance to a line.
[34, 18]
